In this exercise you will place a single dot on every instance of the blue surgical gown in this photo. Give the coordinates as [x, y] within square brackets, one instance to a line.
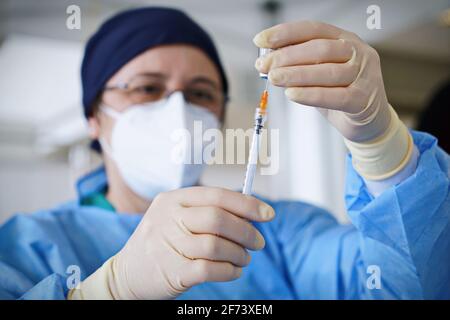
[403, 236]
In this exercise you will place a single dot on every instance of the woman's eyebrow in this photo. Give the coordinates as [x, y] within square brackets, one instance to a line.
[158, 75]
[204, 80]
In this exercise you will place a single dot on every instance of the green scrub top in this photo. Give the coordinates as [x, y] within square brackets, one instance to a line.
[99, 200]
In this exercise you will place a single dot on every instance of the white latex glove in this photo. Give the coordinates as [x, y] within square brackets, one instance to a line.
[187, 237]
[326, 67]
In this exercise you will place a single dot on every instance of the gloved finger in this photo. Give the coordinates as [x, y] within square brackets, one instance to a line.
[216, 221]
[289, 33]
[347, 99]
[311, 52]
[199, 271]
[244, 206]
[320, 75]
[210, 247]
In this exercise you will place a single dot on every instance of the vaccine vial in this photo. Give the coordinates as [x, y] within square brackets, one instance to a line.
[261, 53]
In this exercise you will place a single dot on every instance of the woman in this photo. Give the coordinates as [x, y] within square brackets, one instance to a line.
[147, 72]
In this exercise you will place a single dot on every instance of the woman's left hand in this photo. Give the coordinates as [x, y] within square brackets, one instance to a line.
[329, 68]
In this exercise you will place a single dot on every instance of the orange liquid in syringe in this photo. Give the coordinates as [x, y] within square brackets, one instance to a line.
[263, 101]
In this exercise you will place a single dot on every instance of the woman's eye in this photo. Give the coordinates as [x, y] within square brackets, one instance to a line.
[203, 95]
[148, 89]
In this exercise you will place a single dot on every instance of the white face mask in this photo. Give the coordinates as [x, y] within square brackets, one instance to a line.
[143, 145]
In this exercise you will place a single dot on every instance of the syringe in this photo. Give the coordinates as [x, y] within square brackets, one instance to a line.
[260, 119]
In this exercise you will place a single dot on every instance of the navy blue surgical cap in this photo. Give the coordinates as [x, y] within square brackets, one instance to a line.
[129, 33]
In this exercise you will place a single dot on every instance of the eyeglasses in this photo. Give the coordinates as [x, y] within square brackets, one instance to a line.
[145, 88]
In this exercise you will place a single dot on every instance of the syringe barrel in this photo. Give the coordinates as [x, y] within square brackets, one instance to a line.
[252, 164]
[260, 113]
[250, 176]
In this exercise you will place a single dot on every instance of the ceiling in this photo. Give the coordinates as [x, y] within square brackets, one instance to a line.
[233, 23]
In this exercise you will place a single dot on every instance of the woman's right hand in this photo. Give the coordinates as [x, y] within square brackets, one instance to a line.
[188, 236]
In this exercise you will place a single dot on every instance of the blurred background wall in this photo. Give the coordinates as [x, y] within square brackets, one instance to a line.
[43, 136]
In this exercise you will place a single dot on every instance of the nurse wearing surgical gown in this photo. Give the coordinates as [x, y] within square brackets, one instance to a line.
[142, 228]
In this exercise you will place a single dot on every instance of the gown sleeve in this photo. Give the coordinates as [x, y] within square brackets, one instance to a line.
[397, 247]
[45, 254]
[34, 252]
